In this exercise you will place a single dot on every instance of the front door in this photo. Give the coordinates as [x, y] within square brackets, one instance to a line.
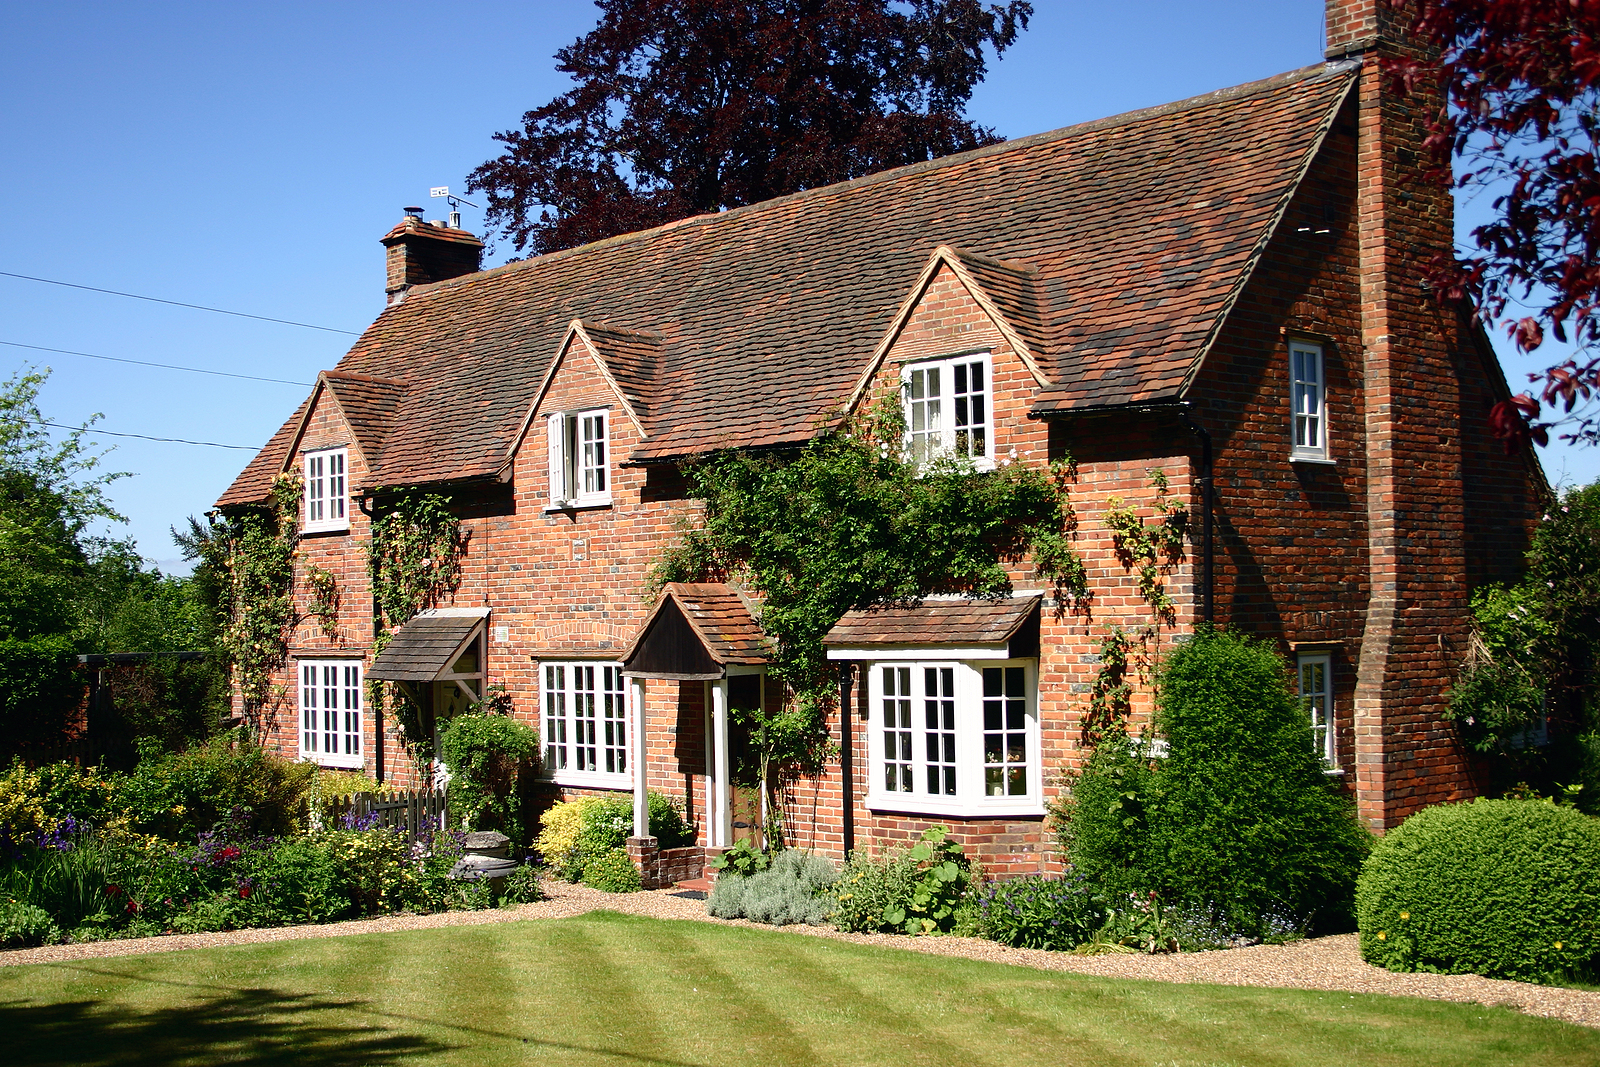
[744, 789]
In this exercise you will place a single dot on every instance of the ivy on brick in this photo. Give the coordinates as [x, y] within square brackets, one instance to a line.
[847, 523]
[256, 552]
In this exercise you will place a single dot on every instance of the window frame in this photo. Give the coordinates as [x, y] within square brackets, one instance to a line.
[348, 726]
[578, 733]
[1318, 451]
[570, 473]
[970, 799]
[327, 489]
[1324, 734]
[950, 399]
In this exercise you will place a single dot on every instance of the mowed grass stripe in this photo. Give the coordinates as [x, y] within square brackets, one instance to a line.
[611, 989]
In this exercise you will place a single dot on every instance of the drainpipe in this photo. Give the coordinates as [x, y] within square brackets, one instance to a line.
[1206, 572]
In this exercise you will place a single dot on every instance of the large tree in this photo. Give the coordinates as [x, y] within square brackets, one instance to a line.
[1521, 84]
[689, 106]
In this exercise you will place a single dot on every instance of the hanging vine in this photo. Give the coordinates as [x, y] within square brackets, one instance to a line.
[414, 562]
[848, 523]
[324, 587]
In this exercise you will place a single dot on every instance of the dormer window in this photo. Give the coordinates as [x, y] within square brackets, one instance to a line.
[580, 458]
[946, 406]
[326, 500]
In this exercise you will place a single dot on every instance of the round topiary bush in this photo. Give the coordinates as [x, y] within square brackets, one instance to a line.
[1502, 888]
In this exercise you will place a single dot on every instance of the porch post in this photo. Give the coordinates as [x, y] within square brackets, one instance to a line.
[719, 727]
[641, 793]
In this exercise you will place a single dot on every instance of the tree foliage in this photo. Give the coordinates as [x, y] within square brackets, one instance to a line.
[689, 106]
[1527, 694]
[1521, 84]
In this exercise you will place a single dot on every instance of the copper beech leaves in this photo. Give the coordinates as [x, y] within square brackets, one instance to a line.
[1519, 81]
[682, 107]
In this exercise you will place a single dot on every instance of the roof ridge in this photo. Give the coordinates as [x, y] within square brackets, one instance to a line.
[334, 372]
[1327, 69]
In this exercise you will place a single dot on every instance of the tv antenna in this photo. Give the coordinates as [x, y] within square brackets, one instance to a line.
[455, 202]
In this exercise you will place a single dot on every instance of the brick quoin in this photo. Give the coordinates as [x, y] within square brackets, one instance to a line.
[1371, 557]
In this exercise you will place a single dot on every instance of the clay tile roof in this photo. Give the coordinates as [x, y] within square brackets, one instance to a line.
[1138, 232]
[369, 405]
[411, 224]
[723, 620]
[423, 648]
[632, 358]
[933, 622]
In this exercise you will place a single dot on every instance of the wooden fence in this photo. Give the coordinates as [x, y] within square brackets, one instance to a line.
[416, 811]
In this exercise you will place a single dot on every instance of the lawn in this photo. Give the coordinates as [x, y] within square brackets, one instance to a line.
[612, 989]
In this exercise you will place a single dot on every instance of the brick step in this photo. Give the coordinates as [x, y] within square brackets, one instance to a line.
[698, 885]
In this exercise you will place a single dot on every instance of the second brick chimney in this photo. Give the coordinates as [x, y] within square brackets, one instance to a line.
[421, 252]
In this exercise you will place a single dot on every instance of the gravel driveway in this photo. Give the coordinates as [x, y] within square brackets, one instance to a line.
[1331, 963]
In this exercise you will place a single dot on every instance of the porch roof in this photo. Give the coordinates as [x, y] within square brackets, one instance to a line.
[427, 647]
[1003, 627]
[697, 630]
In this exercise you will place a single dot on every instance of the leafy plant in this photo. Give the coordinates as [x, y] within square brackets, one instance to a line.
[25, 926]
[1150, 547]
[574, 833]
[522, 886]
[256, 550]
[913, 891]
[742, 860]
[178, 795]
[1135, 924]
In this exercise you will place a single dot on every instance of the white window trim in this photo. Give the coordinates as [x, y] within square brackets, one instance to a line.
[564, 730]
[947, 429]
[316, 680]
[1327, 746]
[970, 800]
[1316, 452]
[565, 460]
[326, 490]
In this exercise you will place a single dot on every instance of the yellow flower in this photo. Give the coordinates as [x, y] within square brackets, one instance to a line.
[1558, 945]
[1405, 915]
[1382, 936]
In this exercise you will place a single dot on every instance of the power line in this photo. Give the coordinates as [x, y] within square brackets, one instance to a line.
[145, 437]
[163, 366]
[177, 303]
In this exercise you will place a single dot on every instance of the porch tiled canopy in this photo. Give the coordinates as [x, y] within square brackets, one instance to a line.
[430, 646]
[997, 628]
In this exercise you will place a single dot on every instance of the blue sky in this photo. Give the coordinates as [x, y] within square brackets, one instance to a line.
[248, 156]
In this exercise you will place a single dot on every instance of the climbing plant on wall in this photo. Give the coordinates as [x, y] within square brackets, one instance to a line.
[256, 551]
[847, 523]
[413, 561]
[1150, 549]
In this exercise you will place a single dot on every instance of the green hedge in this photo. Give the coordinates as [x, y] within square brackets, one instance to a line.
[1503, 888]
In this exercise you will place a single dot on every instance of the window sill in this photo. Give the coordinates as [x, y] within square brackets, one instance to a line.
[1317, 461]
[591, 780]
[1333, 772]
[342, 762]
[311, 530]
[584, 504]
[964, 809]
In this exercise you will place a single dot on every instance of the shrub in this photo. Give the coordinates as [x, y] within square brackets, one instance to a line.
[25, 926]
[789, 891]
[1503, 888]
[576, 833]
[179, 795]
[742, 860]
[1240, 815]
[912, 891]
[491, 758]
[1037, 912]
[522, 886]
[612, 872]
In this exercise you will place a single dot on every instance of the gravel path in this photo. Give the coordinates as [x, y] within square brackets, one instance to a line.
[1329, 963]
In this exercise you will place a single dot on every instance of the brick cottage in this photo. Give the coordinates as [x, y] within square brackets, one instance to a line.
[1228, 290]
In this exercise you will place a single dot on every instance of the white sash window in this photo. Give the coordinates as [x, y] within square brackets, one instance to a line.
[1316, 689]
[1308, 398]
[330, 712]
[579, 450]
[326, 502]
[947, 411]
[585, 724]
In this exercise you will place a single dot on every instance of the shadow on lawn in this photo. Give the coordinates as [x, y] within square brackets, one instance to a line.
[251, 1026]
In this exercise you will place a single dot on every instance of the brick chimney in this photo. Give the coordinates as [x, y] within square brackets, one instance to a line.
[1355, 26]
[422, 252]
